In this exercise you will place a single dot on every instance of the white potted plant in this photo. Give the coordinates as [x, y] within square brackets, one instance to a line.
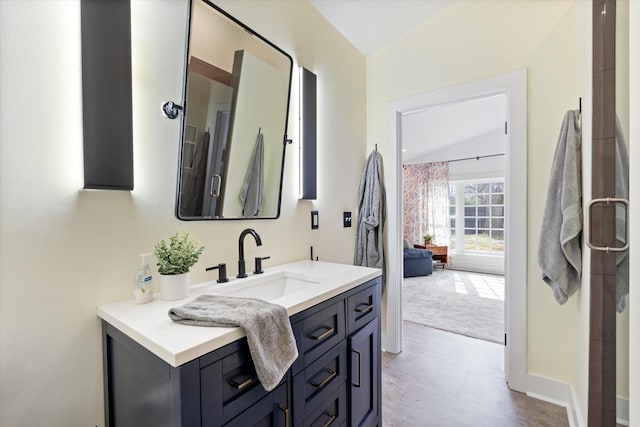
[174, 262]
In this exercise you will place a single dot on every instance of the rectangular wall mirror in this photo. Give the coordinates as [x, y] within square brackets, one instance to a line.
[234, 126]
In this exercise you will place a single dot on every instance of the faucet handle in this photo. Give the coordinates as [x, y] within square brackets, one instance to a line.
[222, 272]
[258, 269]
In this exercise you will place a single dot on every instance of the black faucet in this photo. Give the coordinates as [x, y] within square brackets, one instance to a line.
[222, 272]
[258, 264]
[241, 264]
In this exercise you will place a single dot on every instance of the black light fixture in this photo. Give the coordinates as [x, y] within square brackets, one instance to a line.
[106, 94]
[308, 134]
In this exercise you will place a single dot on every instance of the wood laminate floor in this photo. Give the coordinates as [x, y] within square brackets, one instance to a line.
[444, 379]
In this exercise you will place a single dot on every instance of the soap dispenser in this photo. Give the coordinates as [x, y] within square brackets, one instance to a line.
[143, 282]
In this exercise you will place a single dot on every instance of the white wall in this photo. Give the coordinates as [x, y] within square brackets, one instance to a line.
[474, 40]
[480, 263]
[64, 251]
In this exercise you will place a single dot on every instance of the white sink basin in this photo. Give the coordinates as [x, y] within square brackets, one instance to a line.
[269, 287]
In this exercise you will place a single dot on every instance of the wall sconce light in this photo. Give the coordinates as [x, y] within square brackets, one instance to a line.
[106, 94]
[308, 134]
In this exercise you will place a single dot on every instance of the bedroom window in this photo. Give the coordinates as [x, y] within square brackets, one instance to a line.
[476, 211]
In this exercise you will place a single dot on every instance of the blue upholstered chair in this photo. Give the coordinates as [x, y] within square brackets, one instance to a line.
[417, 262]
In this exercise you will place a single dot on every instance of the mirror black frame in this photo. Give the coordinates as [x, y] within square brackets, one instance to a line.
[285, 139]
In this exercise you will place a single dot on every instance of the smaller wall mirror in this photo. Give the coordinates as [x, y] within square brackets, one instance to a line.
[234, 127]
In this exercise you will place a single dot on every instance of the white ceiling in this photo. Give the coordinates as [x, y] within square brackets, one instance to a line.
[369, 25]
[435, 128]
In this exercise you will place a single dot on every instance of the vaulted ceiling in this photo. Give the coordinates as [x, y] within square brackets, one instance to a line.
[369, 25]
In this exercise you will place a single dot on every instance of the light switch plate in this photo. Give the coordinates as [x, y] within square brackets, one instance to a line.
[314, 220]
[346, 219]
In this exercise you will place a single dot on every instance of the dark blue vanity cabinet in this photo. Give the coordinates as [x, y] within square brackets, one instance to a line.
[335, 380]
[364, 353]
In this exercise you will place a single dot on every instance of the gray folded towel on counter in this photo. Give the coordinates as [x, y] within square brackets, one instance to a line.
[271, 341]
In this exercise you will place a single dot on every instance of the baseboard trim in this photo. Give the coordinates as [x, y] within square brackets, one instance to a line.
[548, 390]
[622, 411]
[573, 412]
[562, 394]
[554, 392]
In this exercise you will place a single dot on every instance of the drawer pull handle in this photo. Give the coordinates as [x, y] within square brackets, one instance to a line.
[329, 330]
[359, 353]
[242, 384]
[332, 418]
[286, 414]
[328, 378]
[365, 309]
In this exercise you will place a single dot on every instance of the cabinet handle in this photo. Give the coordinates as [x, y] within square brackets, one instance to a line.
[366, 309]
[328, 378]
[242, 384]
[359, 353]
[332, 418]
[286, 414]
[329, 330]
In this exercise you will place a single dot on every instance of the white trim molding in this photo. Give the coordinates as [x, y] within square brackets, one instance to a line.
[622, 411]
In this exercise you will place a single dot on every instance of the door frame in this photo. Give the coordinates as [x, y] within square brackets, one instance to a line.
[514, 86]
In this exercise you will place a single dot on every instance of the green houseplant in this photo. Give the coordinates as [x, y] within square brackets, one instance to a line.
[174, 261]
[428, 238]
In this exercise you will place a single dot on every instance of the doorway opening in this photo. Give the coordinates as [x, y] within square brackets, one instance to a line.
[454, 195]
[513, 87]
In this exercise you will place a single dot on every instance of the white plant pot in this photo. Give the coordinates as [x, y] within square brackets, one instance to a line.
[174, 286]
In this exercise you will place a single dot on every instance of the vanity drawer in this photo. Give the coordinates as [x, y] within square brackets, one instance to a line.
[272, 410]
[317, 333]
[363, 307]
[231, 383]
[331, 412]
[319, 382]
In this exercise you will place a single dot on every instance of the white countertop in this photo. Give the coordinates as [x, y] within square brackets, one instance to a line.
[149, 324]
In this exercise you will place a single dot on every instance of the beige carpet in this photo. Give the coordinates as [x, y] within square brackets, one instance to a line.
[465, 303]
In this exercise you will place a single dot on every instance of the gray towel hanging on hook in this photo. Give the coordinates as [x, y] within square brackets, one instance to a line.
[371, 214]
[560, 247]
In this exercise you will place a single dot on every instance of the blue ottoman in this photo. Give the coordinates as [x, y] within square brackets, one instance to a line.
[417, 262]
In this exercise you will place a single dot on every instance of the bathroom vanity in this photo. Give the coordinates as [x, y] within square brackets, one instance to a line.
[159, 373]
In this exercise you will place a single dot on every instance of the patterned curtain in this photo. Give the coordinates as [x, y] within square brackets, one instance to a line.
[426, 202]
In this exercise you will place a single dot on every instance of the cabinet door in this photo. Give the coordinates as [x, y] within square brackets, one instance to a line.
[364, 379]
[270, 411]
